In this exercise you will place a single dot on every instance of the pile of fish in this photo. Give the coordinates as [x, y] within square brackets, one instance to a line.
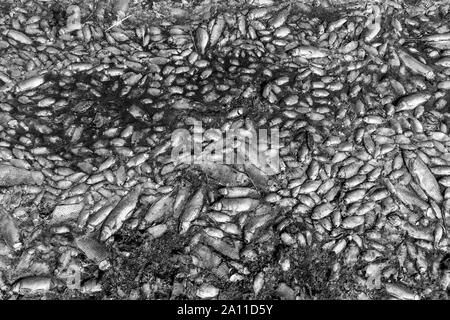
[359, 97]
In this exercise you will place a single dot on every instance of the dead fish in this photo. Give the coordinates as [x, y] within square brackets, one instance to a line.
[230, 251]
[372, 31]
[416, 66]
[158, 210]
[352, 222]
[102, 213]
[279, 18]
[441, 170]
[33, 285]
[217, 30]
[332, 26]
[322, 211]
[224, 174]
[258, 283]
[121, 7]
[106, 164]
[437, 37]
[309, 52]
[207, 291]
[401, 291]
[9, 231]
[442, 45]
[257, 177]
[80, 66]
[409, 197]
[373, 25]
[236, 205]
[425, 178]
[192, 210]
[443, 62]
[137, 160]
[238, 192]
[202, 38]
[30, 84]
[93, 249]
[91, 286]
[412, 101]
[120, 213]
[19, 36]
[11, 176]
[256, 223]
[181, 198]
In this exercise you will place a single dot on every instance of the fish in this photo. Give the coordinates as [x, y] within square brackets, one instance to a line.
[416, 66]
[159, 209]
[412, 101]
[202, 39]
[217, 29]
[425, 178]
[223, 174]
[309, 52]
[192, 210]
[19, 36]
[120, 213]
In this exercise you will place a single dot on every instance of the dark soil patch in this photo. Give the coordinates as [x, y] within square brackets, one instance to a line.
[149, 261]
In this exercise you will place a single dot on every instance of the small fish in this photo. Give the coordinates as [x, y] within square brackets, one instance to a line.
[192, 210]
[33, 285]
[30, 84]
[202, 38]
[416, 66]
[19, 36]
[235, 205]
[309, 52]
[159, 209]
[425, 178]
[224, 174]
[120, 213]
[322, 211]
[217, 30]
[412, 101]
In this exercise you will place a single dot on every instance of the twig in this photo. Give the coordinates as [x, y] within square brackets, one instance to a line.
[118, 23]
